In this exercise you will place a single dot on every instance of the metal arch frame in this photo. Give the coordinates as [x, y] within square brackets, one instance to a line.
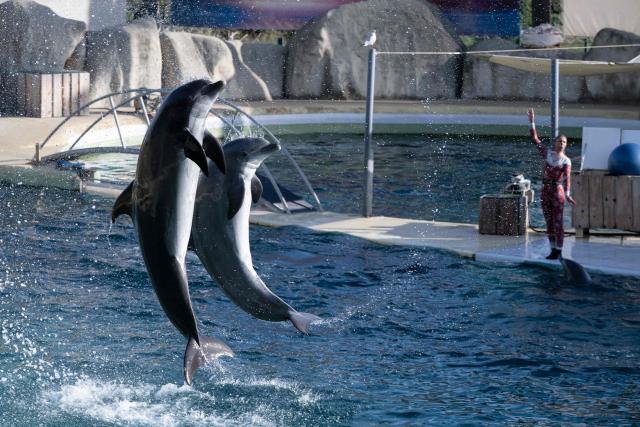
[266, 169]
[140, 93]
[284, 149]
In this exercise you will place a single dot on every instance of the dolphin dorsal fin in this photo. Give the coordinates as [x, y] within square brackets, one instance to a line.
[123, 204]
[235, 194]
[194, 151]
[256, 189]
[213, 150]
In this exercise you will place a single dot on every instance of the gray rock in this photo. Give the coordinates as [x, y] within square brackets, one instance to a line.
[124, 57]
[187, 56]
[267, 60]
[326, 58]
[484, 80]
[245, 85]
[34, 38]
[621, 87]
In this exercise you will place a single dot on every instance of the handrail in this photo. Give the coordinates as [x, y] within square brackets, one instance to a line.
[140, 93]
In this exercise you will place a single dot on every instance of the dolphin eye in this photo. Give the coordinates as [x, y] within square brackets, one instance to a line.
[245, 154]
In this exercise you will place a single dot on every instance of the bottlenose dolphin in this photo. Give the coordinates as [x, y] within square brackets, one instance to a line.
[220, 233]
[160, 202]
[574, 272]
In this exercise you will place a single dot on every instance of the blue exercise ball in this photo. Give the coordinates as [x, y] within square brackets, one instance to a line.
[625, 159]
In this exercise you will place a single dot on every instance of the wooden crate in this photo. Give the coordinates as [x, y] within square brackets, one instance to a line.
[604, 201]
[502, 214]
[51, 94]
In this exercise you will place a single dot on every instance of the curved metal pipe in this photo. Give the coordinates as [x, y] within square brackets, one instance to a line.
[102, 116]
[284, 150]
[270, 177]
[144, 91]
[76, 112]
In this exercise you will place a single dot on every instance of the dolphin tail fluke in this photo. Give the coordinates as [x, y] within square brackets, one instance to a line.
[196, 355]
[123, 204]
[302, 320]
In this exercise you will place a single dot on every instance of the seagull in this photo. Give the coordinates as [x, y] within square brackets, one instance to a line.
[371, 40]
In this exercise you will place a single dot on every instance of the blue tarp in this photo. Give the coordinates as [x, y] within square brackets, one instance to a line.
[469, 17]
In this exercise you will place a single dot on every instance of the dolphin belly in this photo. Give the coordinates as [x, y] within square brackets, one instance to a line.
[168, 277]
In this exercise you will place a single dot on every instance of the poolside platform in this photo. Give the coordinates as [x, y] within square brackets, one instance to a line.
[605, 254]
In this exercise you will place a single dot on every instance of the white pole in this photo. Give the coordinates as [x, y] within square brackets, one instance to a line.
[555, 98]
[367, 196]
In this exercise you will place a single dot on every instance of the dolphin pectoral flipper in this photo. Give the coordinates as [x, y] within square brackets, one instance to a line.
[194, 151]
[236, 197]
[256, 189]
[196, 355]
[123, 204]
[302, 320]
[213, 150]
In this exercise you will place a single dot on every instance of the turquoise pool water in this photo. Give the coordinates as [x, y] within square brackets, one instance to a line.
[410, 337]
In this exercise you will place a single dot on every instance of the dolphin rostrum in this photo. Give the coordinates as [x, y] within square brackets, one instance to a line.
[221, 232]
[160, 202]
[574, 272]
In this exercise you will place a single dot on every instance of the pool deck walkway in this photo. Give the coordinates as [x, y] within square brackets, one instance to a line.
[610, 255]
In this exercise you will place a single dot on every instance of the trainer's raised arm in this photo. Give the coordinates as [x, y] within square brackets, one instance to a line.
[534, 133]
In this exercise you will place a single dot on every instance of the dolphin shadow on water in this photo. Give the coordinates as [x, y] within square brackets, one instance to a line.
[160, 201]
[220, 234]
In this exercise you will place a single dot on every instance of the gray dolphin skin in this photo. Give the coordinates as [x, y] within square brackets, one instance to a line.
[160, 202]
[220, 232]
[574, 272]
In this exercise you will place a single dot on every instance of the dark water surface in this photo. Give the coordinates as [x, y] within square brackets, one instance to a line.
[414, 337]
[416, 176]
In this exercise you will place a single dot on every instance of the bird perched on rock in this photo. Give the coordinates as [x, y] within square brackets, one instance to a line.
[371, 40]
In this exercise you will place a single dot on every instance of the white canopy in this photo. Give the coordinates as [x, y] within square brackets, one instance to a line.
[568, 67]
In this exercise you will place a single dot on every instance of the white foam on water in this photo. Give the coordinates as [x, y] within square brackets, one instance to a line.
[303, 395]
[148, 405]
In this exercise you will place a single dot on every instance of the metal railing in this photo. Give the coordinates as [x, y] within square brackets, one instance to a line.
[139, 96]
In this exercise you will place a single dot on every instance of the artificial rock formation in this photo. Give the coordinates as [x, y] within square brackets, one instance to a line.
[267, 60]
[326, 58]
[124, 57]
[484, 80]
[34, 38]
[245, 84]
[620, 87]
[187, 56]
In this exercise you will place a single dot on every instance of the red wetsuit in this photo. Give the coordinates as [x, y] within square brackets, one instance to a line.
[556, 182]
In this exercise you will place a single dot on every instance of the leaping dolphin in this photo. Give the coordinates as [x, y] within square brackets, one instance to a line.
[574, 272]
[160, 202]
[221, 232]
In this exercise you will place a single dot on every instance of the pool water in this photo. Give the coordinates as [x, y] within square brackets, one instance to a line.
[416, 176]
[416, 337]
